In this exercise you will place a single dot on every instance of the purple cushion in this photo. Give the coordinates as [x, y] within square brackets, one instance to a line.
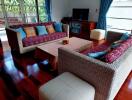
[117, 52]
[44, 38]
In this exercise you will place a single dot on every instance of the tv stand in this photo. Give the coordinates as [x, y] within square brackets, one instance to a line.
[79, 28]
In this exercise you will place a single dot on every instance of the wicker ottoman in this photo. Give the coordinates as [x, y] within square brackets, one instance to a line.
[66, 87]
[97, 34]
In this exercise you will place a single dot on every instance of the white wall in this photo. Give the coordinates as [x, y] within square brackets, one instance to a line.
[63, 8]
[60, 9]
[93, 5]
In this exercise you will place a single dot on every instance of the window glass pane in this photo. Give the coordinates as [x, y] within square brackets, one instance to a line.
[122, 3]
[120, 12]
[119, 23]
[14, 20]
[11, 2]
[12, 9]
[43, 18]
[1, 13]
[30, 10]
[119, 16]
[29, 2]
[117, 30]
[41, 2]
[32, 19]
[42, 11]
[2, 20]
[42, 14]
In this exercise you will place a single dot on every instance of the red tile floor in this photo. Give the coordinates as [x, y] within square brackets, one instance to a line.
[21, 76]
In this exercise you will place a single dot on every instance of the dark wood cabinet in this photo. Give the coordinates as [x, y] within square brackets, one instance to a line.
[80, 28]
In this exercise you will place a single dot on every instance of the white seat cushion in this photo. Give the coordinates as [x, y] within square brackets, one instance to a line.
[97, 34]
[66, 87]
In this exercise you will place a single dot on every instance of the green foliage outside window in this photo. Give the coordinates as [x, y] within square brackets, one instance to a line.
[11, 2]
[29, 2]
[29, 8]
[42, 11]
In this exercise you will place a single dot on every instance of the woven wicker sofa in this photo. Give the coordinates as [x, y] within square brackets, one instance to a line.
[106, 78]
[20, 46]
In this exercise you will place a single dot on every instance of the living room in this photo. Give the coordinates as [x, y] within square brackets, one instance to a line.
[65, 50]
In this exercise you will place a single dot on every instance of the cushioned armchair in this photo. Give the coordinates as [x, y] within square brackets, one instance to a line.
[24, 45]
[107, 78]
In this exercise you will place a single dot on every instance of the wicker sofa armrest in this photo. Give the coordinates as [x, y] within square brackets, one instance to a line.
[14, 39]
[66, 29]
[113, 36]
[95, 72]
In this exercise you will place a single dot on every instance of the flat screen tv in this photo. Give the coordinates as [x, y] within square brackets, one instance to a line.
[80, 14]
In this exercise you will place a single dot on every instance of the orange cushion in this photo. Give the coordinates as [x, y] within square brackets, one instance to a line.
[50, 29]
[30, 31]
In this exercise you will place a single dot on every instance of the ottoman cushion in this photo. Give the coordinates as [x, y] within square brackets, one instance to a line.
[66, 87]
[97, 34]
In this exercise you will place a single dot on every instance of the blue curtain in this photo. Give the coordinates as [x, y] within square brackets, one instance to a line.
[104, 7]
[48, 8]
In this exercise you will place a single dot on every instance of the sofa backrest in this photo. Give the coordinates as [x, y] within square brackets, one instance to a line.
[30, 25]
[113, 36]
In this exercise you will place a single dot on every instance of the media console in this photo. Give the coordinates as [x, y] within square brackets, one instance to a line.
[79, 28]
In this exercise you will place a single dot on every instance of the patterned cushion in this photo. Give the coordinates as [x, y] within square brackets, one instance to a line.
[91, 52]
[50, 29]
[117, 52]
[43, 38]
[30, 31]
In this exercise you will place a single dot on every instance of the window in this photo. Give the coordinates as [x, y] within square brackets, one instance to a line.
[30, 11]
[119, 16]
[42, 11]
[14, 12]
[2, 20]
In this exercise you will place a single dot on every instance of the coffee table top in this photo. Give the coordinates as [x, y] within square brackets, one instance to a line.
[75, 44]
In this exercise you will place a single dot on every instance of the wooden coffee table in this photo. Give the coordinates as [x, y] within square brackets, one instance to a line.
[51, 49]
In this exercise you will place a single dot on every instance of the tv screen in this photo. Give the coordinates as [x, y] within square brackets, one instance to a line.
[80, 14]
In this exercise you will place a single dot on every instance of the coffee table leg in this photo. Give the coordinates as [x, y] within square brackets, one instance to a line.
[54, 63]
[41, 56]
